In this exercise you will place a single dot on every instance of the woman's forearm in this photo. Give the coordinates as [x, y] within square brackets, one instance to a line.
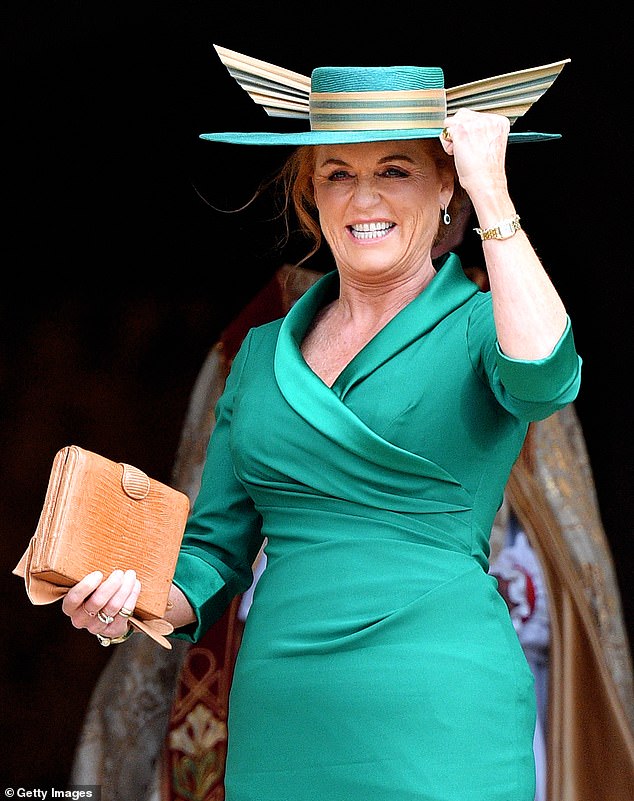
[530, 317]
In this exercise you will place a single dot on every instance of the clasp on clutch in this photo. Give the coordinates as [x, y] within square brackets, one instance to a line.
[135, 483]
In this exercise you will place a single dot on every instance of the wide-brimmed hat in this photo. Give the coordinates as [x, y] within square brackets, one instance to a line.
[369, 104]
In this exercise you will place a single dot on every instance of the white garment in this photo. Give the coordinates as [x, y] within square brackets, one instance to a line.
[521, 582]
[247, 597]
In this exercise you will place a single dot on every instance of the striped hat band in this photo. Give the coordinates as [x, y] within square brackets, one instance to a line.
[371, 111]
[376, 98]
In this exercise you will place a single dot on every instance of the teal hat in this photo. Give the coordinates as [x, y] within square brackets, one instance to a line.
[345, 105]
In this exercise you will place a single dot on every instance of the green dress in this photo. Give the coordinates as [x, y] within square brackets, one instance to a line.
[378, 659]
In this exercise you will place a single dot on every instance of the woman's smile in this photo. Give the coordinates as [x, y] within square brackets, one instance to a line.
[371, 230]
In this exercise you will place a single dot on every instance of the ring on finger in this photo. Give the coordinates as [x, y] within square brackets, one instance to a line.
[106, 641]
[104, 617]
[87, 611]
[446, 135]
[125, 612]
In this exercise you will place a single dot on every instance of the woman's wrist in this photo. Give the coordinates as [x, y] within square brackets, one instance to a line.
[503, 229]
[492, 204]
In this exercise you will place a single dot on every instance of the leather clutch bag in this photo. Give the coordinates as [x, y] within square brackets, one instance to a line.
[105, 515]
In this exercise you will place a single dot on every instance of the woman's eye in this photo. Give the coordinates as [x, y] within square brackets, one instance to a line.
[394, 172]
[387, 172]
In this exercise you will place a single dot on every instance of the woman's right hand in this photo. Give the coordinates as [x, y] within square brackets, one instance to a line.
[95, 599]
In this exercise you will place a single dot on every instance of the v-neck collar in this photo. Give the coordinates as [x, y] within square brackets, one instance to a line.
[447, 290]
[321, 405]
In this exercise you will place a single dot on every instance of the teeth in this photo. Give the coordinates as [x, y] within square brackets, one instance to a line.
[373, 230]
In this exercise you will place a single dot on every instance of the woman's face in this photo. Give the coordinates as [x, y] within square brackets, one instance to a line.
[379, 204]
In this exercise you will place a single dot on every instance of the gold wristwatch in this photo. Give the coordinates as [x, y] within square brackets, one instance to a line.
[505, 229]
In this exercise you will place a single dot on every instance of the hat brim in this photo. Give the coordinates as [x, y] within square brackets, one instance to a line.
[349, 137]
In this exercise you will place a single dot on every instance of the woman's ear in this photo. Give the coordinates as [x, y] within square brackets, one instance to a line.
[446, 188]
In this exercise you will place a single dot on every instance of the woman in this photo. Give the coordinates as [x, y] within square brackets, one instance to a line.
[367, 437]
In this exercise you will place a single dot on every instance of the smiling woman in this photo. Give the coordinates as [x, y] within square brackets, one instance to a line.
[405, 185]
[309, 168]
[366, 438]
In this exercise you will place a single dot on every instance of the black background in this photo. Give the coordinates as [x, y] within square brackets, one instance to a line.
[118, 275]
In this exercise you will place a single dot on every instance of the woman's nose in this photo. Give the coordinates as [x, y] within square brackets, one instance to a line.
[366, 192]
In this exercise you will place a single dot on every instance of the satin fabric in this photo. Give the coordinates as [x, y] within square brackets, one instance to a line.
[375, 613]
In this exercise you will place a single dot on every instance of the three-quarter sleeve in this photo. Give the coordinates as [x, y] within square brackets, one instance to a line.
[528, 389]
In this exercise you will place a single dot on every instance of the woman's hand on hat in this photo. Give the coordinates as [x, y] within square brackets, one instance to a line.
[103, 605]
[477, 141]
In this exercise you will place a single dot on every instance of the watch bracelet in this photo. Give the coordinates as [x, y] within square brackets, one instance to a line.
[512, 224]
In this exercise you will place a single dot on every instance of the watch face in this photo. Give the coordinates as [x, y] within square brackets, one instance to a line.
[505, 229]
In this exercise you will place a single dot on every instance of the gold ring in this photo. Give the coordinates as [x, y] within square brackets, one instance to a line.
[106, 641]
[90, 614]
[124, 612]
[106, 619]
[446, 135]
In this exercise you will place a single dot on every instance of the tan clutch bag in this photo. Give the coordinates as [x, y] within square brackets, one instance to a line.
[104, 515]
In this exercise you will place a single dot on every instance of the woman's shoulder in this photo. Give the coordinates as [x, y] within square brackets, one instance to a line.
[261, 337]
[265, 331]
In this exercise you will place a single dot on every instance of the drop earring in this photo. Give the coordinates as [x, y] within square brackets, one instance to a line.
[446, 217]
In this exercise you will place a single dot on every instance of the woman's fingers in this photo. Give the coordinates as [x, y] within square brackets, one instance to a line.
[75, 597]
[130, 602]
[477, 141]
[94, 603]
[466, 124]
[110, 606]
[121, 605]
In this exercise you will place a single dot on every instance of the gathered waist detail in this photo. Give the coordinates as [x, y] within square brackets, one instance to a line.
[336, 521]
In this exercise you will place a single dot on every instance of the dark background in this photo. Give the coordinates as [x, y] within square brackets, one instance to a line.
[118, 275]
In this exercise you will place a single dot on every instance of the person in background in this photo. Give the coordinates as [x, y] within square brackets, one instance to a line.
[367, 436]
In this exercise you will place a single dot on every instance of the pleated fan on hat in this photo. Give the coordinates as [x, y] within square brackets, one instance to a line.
[284, 93]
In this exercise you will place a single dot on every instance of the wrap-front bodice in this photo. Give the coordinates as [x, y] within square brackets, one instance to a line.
[412, 445]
